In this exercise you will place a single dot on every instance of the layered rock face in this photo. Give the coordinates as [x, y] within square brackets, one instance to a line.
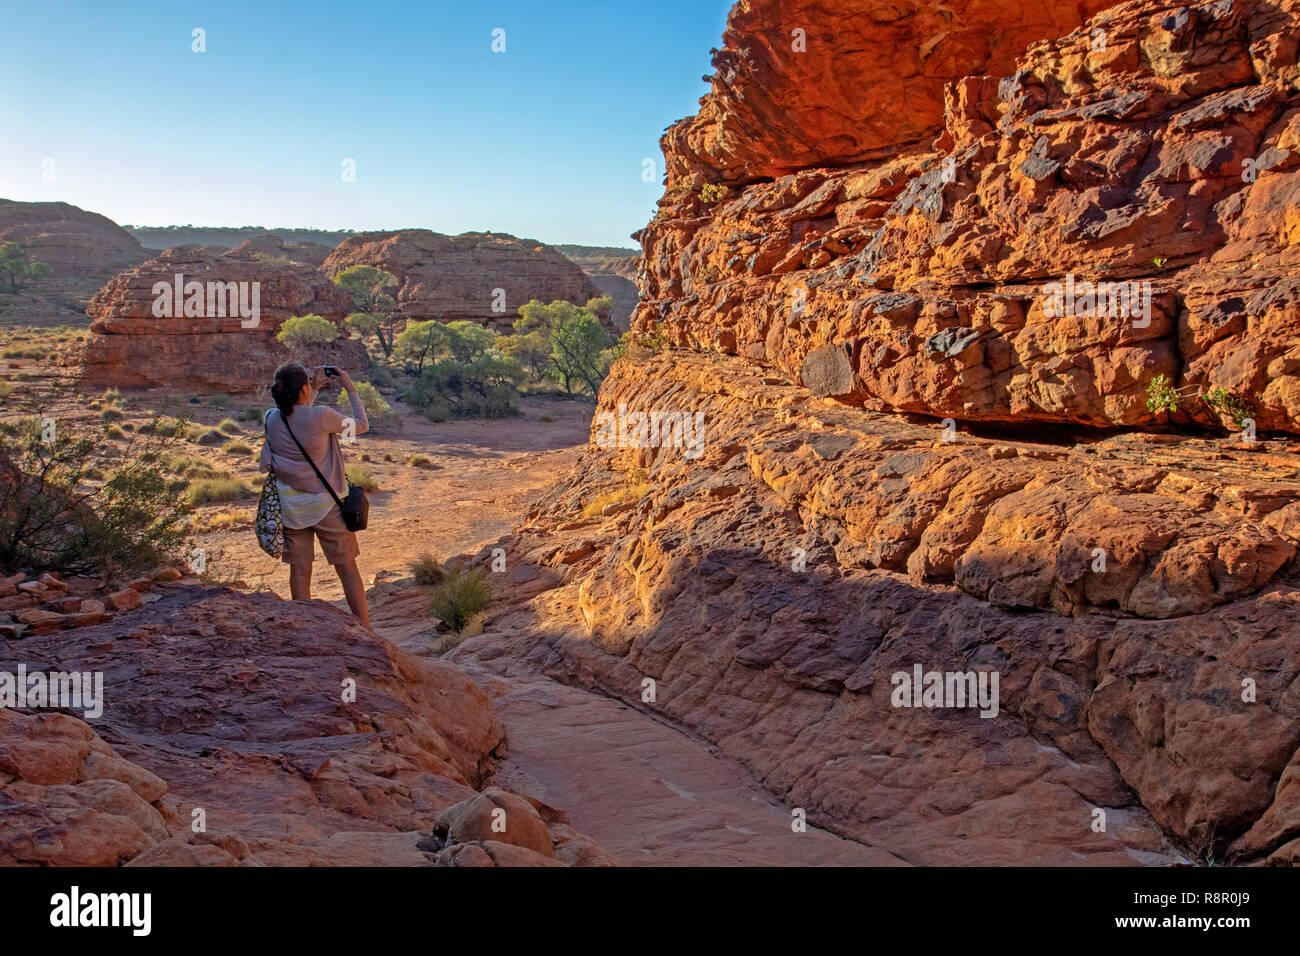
[1151, 151]
[477, 277]
[245, 730]
[760, 547]
[84, 250]
[218, 345]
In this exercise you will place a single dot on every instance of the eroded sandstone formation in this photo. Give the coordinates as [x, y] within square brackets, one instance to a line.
[1153, 147]
[836, 272]
[301, 737]
[131, 346]
[479, 277]
[83, 249]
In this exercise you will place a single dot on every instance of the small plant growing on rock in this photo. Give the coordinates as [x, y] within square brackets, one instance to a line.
[1162, 396]
[426, 570]
[462, 594]
[1229, 404]
[711, 193]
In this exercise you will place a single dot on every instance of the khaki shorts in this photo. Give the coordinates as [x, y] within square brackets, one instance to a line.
[338, 543]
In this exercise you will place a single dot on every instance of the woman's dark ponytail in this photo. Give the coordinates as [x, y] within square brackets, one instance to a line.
[289, 380]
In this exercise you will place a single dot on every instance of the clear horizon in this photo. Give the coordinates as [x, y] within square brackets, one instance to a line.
[113, 111]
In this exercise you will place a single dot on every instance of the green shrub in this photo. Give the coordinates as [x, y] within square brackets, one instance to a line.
[301, 332]
[426, 570]
[1230, 404]
[463, 593]
[487, 385]
[379, 413]
[1161, 395]
[213, 490]
[251, 414]
[712, 193]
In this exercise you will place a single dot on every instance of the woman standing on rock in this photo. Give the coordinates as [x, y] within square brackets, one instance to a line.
[298, 428]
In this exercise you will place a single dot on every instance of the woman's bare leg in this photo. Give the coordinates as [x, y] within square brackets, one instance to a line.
[300, 582]
[354, 589]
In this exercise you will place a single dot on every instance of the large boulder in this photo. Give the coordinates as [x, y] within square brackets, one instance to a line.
[302, 737]
[131, 346]
[481, 277]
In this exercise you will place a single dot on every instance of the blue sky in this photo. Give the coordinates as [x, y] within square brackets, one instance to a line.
[545, 140]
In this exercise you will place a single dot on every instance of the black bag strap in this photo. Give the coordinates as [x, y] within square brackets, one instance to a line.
[309, 461]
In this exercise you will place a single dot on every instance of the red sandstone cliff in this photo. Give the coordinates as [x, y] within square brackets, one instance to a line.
[1155, 146]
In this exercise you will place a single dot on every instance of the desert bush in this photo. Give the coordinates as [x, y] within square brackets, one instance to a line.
[487, 385]
[230, 427]
[207, 491]
[250, 414]
[114, 432]
[362, 476]
[426, 570]
[619, 496]
[463, 593]
[53, 518]
[420, 461]
[6, 389]
[237, 447]
[111, 415]
[201, 435]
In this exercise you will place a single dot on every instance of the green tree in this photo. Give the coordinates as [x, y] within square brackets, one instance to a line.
[16, 270]
[376, 308]
[469, 340]
[420, 343]
[301, 332]
[578, 343]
